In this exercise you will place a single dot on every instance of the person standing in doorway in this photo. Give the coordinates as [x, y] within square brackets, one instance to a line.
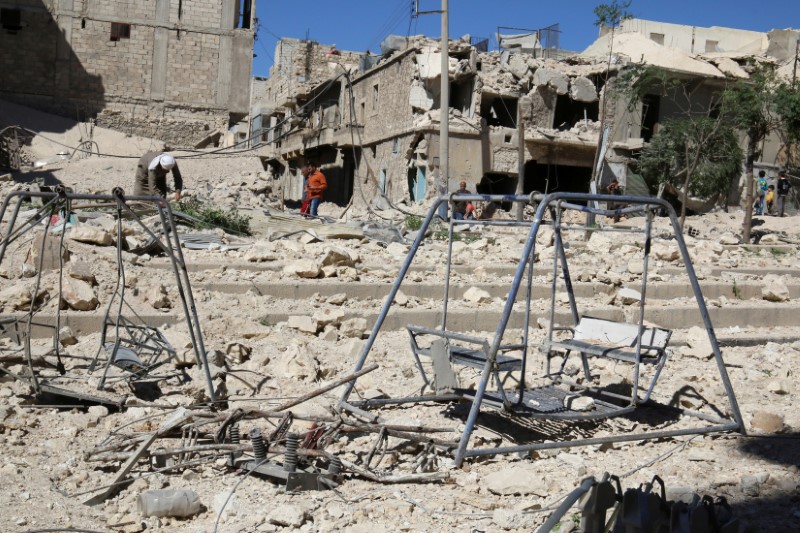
[783, 187]
[151, 175]
[315, 187]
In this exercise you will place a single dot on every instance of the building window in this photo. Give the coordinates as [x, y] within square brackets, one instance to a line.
[11, 19]
[374, 97]
[244, 14]
[657, 37]
[120, 31]
[396, 146]
[711, 46]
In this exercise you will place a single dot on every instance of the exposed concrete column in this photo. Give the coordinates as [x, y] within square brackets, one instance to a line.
[63, 48]
[224, 70]
[158, 78]
[228, 16]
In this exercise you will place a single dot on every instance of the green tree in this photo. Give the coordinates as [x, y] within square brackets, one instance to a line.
[696, 154]
[609, 16]
[787, 105]
[752, 110]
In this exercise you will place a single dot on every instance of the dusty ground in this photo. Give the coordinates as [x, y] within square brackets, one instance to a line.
[243, 297]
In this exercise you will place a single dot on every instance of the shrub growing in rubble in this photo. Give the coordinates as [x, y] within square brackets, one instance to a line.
[212, 216]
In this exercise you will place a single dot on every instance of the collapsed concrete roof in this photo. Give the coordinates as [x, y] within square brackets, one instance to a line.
[639, 49]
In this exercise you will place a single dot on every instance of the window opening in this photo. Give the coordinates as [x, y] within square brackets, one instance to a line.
[244, 14]
[499, 111]
[120, 31]
[657, 38]
[651, 108]
[11, 19]
[570, 112]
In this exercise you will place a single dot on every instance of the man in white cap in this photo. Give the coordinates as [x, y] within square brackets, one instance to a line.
[151, 175]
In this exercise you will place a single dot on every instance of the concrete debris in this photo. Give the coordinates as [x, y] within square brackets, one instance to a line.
[419, 97]
[50, 259]
[158, 297]
[291, 516]
[353, 328]
[79, 295]
[66, 337]
[477, 295]
[91, 235]
[324, 317]
[582, 90]
[766, 422]
[521, 480]
[303, 268]
[629, 296]
[303, 323]
[775, 289]
[552, 78]
[260, 254]
[80, 269]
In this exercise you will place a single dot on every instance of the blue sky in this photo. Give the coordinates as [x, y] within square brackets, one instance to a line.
[361, 24]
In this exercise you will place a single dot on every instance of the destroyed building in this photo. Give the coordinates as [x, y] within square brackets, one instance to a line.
[172, 70]
[394, 109]
[375, 131]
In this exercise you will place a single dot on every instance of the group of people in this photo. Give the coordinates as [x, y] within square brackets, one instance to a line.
[153, 167]
[771, 198]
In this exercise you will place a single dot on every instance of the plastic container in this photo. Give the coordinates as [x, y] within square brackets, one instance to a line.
[169, 502]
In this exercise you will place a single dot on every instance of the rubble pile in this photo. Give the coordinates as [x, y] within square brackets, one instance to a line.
[284, 319]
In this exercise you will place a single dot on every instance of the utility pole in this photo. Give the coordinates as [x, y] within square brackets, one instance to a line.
[444, 106]
[520, 154]
[444, 111]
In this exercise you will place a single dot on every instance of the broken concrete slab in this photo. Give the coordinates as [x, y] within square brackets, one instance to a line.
[303, 323]
[583, 90]
[552, 78]
[419, 98]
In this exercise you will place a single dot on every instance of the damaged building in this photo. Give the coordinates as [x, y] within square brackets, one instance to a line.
[393, 104]
[167, 69]
[372, 122]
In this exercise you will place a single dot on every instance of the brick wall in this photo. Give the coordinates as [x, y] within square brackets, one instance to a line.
[64, 61]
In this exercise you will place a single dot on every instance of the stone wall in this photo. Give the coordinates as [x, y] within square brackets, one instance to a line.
[179, 69]
[301, 65]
